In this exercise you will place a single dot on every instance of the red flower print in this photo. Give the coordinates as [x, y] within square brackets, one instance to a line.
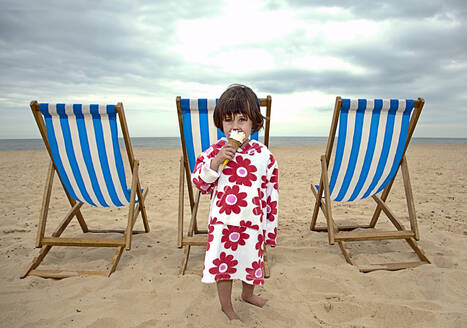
[246, 148]
[264, 182]
[272, 238]
[271, 161]
[249, 224]
[214, 150]
[233, 236]
[201, 185]
[260, 244]
[210, 236]
[231, 200]
[260, 204]
[241, 171]
[271, 209]
[199, 165]
[257, 147]
[213, 153]
[275, 179]
[224, 266]
[256, 273]
[251, 148]
[214, 220]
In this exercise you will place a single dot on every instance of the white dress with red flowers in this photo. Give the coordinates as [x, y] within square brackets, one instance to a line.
[243, 213]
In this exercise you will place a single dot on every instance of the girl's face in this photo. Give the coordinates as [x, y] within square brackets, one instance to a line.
[237, 122]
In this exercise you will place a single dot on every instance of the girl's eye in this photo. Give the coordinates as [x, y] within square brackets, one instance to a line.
[243, 118]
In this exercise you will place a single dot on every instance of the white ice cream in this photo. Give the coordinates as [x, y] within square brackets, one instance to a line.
[237, 135]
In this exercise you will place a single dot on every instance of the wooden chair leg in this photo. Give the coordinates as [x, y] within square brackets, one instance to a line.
[45, 204]
[194, 214]
[79, 215]
[59, 274]
[319, 204]
[142, 207]
[186, 254]
[382, 205]
[134, 183]
[136, 212]
[45, 249]
[346, 253]
[386, 266]
[196, 230]
[417, 250]
[327, 199]
[409, 198]
[323, 207]
[378, 209]
[36, 261]
[141, 193]
[192, 227]
[115, 260]
[336, 227]
[48, 242]
[181, 203]
[143, 210]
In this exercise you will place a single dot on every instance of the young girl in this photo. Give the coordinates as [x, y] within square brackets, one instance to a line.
[244, 201]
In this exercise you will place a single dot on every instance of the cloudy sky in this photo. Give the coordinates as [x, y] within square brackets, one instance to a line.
[302, 53]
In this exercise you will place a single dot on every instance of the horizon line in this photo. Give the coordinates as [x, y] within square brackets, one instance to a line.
[431, 137]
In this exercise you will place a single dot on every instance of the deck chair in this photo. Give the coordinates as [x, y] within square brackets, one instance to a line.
[82, 142]
[372, 140]
[198, 132]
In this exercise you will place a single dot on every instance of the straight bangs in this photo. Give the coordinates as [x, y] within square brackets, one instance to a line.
[234, 106]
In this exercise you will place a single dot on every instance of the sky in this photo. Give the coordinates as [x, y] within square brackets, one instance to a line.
[302, 53]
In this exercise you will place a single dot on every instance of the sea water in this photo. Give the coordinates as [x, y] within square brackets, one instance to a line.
[164, 142]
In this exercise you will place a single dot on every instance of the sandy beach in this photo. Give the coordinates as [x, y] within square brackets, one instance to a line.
[311, 285]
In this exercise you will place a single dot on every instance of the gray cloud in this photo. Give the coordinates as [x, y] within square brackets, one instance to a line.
[382, 9]
[57, 50]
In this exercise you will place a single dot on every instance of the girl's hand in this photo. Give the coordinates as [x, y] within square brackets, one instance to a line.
[226, 152]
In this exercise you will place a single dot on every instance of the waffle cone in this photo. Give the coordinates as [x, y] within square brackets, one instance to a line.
[236, 144]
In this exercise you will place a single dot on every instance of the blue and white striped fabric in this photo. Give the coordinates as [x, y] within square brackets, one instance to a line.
[198, 127]
[371, 141]
[83, 140]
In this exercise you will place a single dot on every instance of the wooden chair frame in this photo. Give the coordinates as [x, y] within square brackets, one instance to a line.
[194, 235]
[46, 243]
[341, 234]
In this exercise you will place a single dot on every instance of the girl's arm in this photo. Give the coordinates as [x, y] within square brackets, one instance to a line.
[272, 201]
[207, 165]
[203, 176]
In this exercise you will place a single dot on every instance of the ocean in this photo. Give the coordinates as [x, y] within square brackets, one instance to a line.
[163, 142]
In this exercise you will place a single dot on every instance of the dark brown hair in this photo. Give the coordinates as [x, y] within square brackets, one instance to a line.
[238, 99]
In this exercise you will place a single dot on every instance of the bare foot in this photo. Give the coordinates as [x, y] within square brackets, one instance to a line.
[255, 300]
[231, 314]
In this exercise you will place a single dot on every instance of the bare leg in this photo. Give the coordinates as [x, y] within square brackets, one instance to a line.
[247, 295]
[224, 290]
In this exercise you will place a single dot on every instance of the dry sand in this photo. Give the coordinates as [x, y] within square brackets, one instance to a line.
[311, 285]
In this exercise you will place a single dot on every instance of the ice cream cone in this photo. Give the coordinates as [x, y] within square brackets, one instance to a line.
[235, 139]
